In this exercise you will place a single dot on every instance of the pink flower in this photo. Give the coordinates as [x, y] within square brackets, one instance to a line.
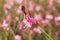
[19, 10]
[58, 1]
[54, 8]
[20, 26]
[24, 21]
[38, 17]
[25, 2]
[49, 16]
[6, 11]
[10, 2]
[38, 7]
[57, 20]
[50, 3]
[15, 20]
[37, 30]
[18, 37]
[31, 32]
[8, 17]
[41, 0]
[25, 30]
[56, 33]
[28, 21]
[31, 6]
[7, 6]
[19, 1]
[44, 22]
[4, 24]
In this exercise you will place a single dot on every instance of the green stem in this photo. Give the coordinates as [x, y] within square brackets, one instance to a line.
[46, 33]
[29, 35]
[50, 28]
[47, 38]
[30, 38]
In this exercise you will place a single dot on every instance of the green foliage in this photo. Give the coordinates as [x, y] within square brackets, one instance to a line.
[6, 34]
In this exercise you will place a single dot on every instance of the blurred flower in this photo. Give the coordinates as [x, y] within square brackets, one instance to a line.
[44, 22]
[31, 32]
[25, 2]
[37, 30]
[19, 9]
[10, 2]
[40, 13]
[7, 6]
[17, 18]
[58, 1]
[49, 16]
[18, 37]
[41, 0]
[4, 23]
[56, 33]
[6, 11]
[28, 21]
[14, 21]
[8, 17]
[20, 26]
[54, 8]
[25, 30]
[57, 20]
[38, 7]
[38, 17]
[31, 6]
[50, 3]
[19, 1]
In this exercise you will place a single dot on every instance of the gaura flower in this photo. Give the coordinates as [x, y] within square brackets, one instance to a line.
[18, 37]
[31, 6]
[57, 20]
[28, 21]
[49, 16]
[37, 30]
[44, 22]
[19, 1]
[38, 7]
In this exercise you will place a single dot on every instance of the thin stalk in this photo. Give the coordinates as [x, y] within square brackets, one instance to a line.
[46, 33]
[47, 38]
[29, 35]
[50, 28]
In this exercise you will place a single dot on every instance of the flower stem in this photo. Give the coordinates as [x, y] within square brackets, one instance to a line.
[46, 33]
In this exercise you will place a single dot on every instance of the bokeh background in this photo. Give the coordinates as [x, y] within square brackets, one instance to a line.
[29, 19]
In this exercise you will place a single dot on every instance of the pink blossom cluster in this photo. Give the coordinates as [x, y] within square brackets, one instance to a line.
[33, 13]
